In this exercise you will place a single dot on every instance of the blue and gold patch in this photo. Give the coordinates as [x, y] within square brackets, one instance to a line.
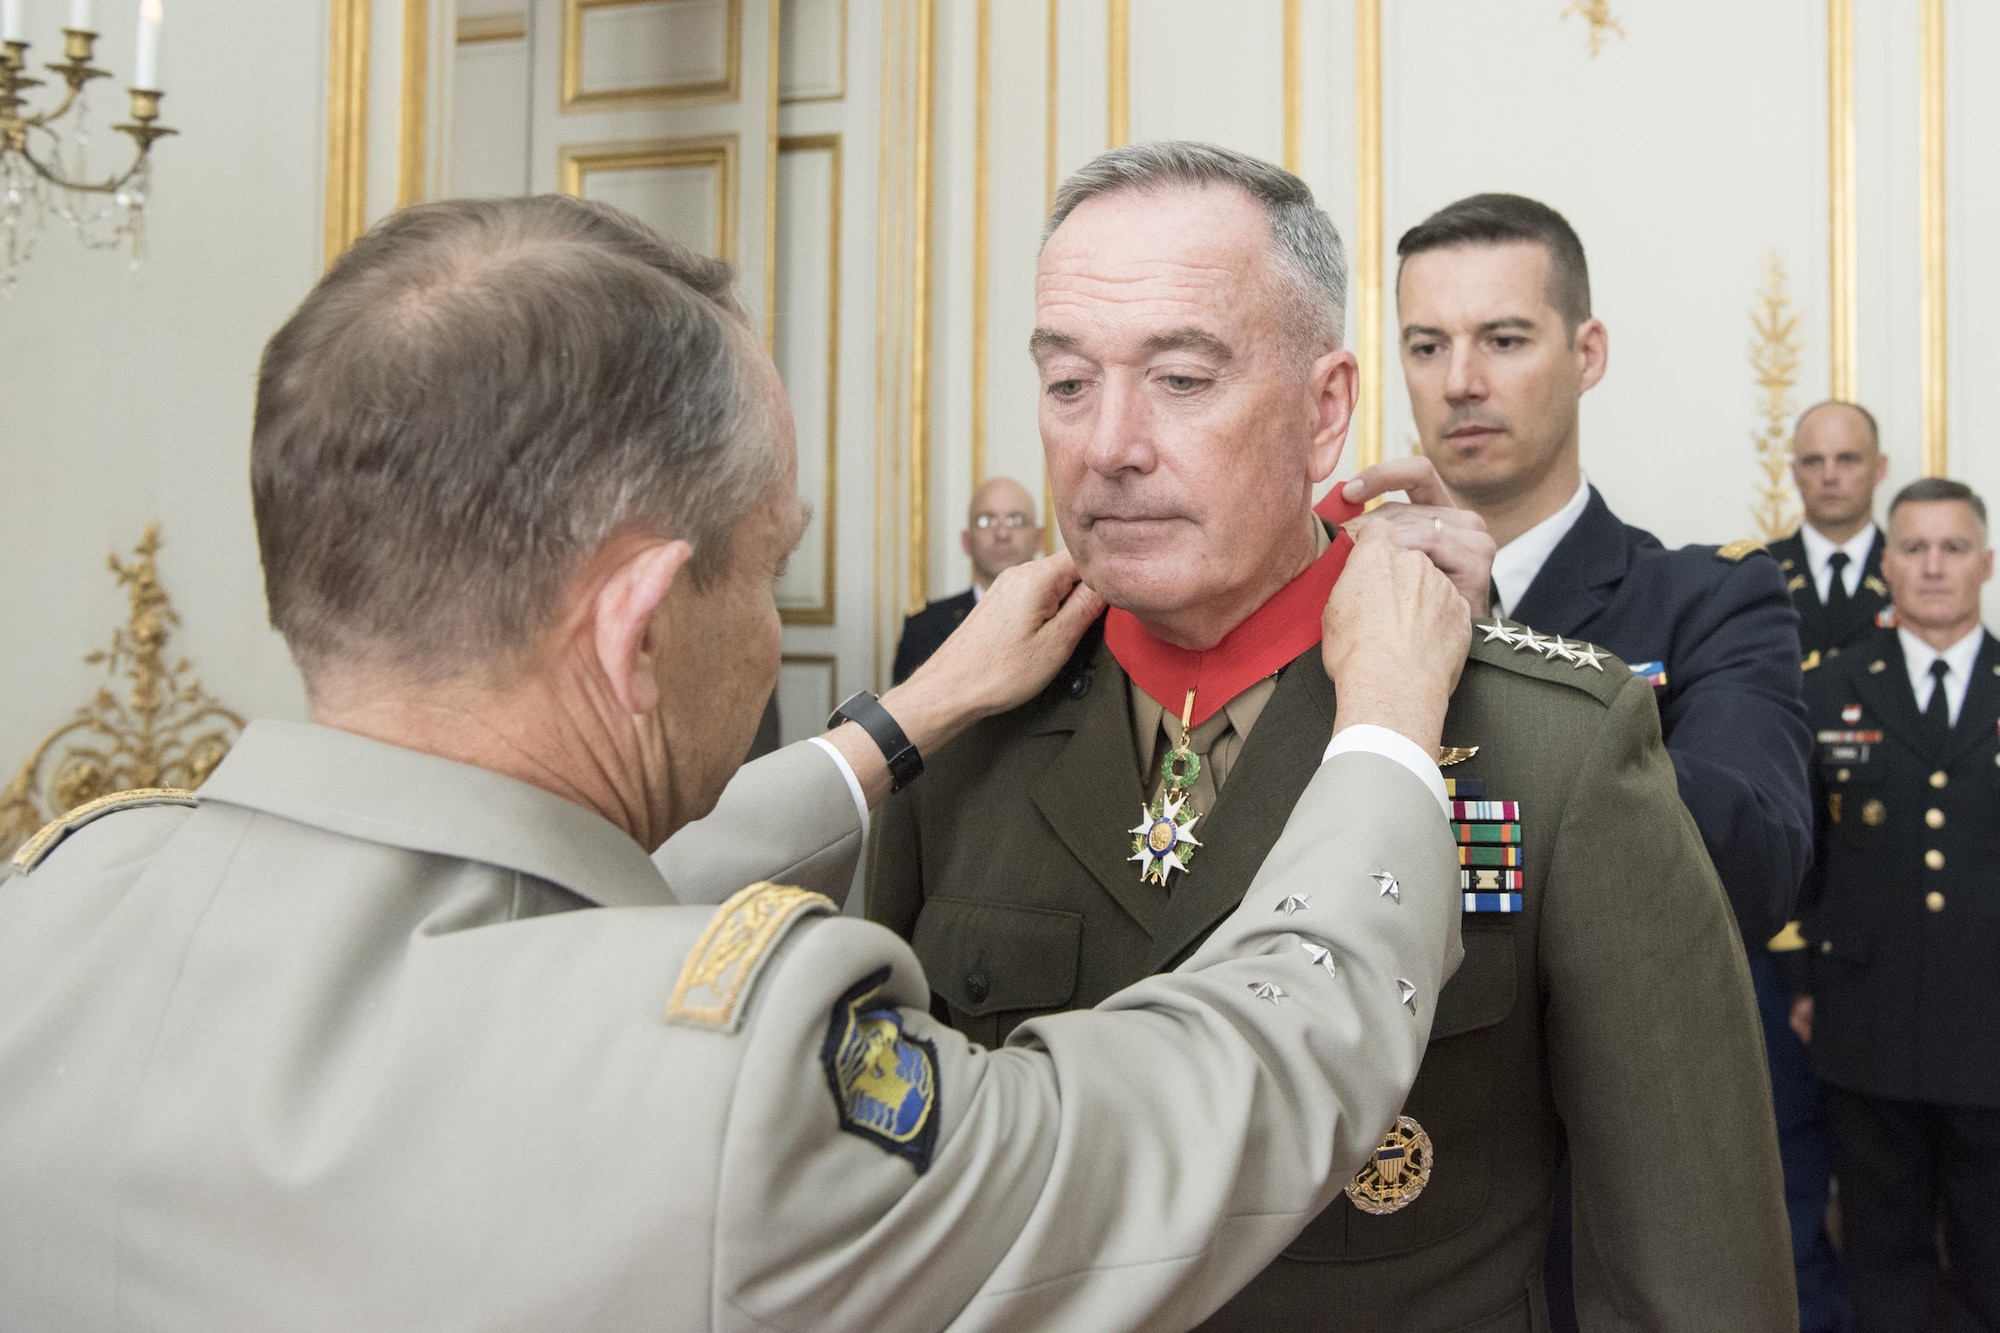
[884, 1081]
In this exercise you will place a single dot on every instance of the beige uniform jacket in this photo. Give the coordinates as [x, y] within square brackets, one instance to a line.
[337, 1050]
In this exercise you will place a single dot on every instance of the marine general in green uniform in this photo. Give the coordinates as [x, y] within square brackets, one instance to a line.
[1189, 309]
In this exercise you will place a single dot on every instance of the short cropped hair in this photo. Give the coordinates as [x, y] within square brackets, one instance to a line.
[1931, 490]
[469, 404]
[1502, 219]
[1874, 431]
[1312, 263]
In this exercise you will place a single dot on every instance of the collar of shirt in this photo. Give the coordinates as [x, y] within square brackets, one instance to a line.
[1960, 657]
[977, 592]
[376, 792]
[1819, 557]
[1516, 564]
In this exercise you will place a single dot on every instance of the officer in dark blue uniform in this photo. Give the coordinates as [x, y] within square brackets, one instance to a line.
[1000, 532]
[1902, 920]
[1498, 347]
[1833, 562]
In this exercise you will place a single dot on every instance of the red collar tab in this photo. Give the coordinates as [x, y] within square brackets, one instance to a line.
[1275, 633]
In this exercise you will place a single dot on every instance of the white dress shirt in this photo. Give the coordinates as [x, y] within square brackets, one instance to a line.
[1958, 660]
[1516, 564]
[1820, 550]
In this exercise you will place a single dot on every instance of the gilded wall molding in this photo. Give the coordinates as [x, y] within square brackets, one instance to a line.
[706, 92]
[1774, 364]
[982, 223]
[1294, 77]
[346, 126]
[1603, 23]
[920, 302]
[1118, 73]
[823, 614]
[152, 726]
[1367, 266]
[577, 163]
[412, 116]
[1934, 366]
[1843, 305]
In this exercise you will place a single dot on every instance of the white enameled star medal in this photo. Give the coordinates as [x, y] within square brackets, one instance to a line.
[1163, 840]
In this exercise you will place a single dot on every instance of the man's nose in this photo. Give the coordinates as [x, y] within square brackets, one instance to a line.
[1464, 377]
[1120, 437]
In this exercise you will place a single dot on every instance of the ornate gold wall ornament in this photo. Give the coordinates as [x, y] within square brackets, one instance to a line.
[1597, 13]
[166, 730]
[1774, 361]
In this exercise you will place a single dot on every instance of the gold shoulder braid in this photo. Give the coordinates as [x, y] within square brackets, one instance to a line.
[31, 853]
[732, 950]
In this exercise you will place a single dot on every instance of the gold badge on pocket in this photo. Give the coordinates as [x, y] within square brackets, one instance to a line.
[1397, 1173]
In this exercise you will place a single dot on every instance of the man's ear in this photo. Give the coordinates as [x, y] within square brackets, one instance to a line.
[1593, 343]
[1334, 382]
[965, 540]
[622, 621]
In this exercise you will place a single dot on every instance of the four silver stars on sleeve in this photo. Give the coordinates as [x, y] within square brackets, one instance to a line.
[1322, 957]
[1578, 655]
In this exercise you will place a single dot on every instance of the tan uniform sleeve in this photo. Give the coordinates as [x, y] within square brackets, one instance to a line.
[788, 818]
[1657, 1058]
[1123, 1167]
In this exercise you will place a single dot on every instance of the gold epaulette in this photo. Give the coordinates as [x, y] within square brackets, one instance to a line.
[31, 853]
[723, 965]
[1787, 940]
[1737, 550]
[1812, 661]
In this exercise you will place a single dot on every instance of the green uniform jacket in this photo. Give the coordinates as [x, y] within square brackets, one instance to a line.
[1613, 1013]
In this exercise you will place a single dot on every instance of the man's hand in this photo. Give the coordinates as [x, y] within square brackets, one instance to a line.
[1394, 639]
[1455, 539]
[1802, 1016]
[1025, 627]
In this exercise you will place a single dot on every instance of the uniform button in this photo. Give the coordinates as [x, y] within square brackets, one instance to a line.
[1934, 817]
[976, 987]
[1934, 900]
[1079, 685]
[1938, 779]
[1826, 946]
[1934, 859]
[1842, 775]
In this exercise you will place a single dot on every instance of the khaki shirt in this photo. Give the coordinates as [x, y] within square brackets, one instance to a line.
[369, 1039]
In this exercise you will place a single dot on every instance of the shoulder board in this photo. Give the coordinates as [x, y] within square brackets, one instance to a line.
[723, 966]
[1788, 940]
[1515, 647]
[1735, 551]
[32, 852]
[1812, 661]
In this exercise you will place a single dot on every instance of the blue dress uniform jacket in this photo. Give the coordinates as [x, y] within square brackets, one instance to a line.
[1902, 908]
[1820, 630]
[925, 632]
[1730, 711]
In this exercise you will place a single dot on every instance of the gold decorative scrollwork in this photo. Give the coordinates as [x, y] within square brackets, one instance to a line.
[1774, 361]
[1597, 13]
[165, 730]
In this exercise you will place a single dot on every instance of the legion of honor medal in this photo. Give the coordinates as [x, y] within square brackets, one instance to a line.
[1163, 840]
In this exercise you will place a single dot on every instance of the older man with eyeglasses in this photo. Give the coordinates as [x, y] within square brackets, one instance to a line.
[1001, 531]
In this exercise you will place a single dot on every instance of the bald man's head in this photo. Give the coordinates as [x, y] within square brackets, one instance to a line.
[1837, 463]
[1001, 530]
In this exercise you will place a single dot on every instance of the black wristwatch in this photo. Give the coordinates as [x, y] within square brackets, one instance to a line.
[866, 711]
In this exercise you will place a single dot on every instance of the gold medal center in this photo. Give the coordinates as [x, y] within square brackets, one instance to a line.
[1161, 836]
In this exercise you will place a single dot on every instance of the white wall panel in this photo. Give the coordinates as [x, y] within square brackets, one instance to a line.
[807, 349]
[489, 122]
[1203, 73]
[812, 54]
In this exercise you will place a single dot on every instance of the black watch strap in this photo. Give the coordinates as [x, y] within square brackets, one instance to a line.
[866, 711]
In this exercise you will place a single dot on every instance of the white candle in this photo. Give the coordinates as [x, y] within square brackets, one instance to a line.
[146, 69]
[10, 20]
[79, 16]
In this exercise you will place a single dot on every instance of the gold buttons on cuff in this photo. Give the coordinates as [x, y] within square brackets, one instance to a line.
[1934, 859]
[1938, 779]
[1934, 817]
[1934, 900]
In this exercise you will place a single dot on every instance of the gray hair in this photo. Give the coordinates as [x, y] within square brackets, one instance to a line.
[1940, 490]
[1311, 261]
[475, 398]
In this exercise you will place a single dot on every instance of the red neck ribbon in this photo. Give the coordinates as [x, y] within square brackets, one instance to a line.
[1275, 633]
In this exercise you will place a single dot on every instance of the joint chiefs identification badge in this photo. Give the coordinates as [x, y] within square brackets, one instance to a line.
[884, 1081]
[1397, 1173]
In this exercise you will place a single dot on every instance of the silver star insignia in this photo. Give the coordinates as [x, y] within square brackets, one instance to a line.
[1557, 648]
[1265, 990]
[1588, 655]
[1320, 957]
[1527, 638]
[1496, 630]
[1409, 994]
[1297, 902]
[1390, 888]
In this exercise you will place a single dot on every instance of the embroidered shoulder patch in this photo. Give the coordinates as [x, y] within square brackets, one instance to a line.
[31, 853]
[884, 1082]
[722, 967]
